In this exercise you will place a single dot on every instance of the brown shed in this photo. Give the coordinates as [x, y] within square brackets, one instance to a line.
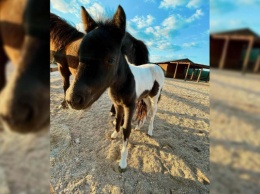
[232, 49]
[179, 69]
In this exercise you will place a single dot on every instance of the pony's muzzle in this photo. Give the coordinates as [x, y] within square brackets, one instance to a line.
[76, 100]
[21, 113]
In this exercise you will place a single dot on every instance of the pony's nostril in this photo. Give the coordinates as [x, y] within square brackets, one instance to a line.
[29, 114]
[79, 99]
[23, 113]
[20, 114]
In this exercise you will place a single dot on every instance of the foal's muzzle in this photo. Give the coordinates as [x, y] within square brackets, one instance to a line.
[76, 101]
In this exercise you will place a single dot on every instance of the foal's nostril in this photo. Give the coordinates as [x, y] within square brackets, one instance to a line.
[78, 99]
[21, 113]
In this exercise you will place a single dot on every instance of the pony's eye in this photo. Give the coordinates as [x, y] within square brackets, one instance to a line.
[110, 61]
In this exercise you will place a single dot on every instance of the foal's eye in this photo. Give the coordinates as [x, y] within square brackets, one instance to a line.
[110, 61]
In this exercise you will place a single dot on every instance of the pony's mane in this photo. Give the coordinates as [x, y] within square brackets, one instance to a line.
[105, 23]
[136, 51]
[62, 33]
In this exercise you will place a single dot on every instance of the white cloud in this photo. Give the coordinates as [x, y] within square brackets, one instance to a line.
[142, 21]
[168, 25]
[171, 3]
[160, 34]
[194, 4]
[60, 5]
[195, 16]
[188, 45]
[66, 7]
[177, 3]
[96, 10]
[84, 2]
[170, 22]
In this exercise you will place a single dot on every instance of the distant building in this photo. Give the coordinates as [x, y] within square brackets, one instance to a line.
[236, 50]
[185, 69]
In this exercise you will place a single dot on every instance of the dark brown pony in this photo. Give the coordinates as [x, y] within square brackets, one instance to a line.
[24, 40]
[102, 66]
[65, 41]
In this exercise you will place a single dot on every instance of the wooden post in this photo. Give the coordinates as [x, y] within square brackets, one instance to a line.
[199, 75]
[175, 72]
[248, 51]
[257, 64]
[224, 53]
[187, 72]
[207, 79]
[192, 74]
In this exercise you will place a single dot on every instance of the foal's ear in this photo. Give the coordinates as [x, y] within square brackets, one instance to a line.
[88, 23]
[119, 20]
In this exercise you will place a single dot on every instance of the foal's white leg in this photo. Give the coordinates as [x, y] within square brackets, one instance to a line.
[139, 125]
[124, 153]
[154, 101]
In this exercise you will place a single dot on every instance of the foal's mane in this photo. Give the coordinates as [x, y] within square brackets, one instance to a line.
[136, 50]
[62, 33]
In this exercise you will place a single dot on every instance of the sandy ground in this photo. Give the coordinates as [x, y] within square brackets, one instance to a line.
[175, 160]
[235, 133]
[24, 161]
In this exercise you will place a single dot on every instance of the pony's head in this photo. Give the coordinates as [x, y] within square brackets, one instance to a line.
[99, 57]
[25, 100]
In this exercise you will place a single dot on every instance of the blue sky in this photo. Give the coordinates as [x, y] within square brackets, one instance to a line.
[172, 29]
[234, 14]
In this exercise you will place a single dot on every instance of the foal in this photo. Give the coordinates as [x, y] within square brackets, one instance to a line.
[102, 65]
[65, 41]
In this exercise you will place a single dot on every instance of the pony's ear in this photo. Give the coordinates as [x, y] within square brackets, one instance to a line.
[88, 23]
[119, 20]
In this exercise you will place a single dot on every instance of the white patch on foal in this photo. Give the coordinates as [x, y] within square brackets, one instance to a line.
[145, 77]
[124, 153]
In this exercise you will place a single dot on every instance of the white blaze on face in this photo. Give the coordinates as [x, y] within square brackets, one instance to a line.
[124, 153]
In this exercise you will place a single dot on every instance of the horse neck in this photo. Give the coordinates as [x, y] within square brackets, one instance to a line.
[123, 75]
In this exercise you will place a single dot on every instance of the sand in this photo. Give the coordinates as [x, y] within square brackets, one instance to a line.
[175, 160]
[235, 132]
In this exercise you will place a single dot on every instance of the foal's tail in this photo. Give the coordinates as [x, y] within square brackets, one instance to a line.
[141, 111]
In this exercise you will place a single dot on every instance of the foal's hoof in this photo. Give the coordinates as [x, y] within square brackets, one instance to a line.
[121, 170]
[112, 114]
[149, 135]
[64, 105]
[114, 122]
[114, 135]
